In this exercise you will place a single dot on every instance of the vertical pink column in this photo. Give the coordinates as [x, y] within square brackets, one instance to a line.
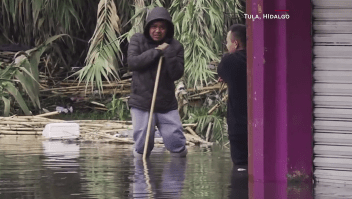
[299, 86]
[279, 90]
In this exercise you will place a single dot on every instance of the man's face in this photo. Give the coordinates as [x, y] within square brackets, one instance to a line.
[231, 43]
[157, 30]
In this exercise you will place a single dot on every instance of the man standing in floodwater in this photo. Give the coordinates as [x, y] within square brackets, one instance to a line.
[144, 52]
[233, 70]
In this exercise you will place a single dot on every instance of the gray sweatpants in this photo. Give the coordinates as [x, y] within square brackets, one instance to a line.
[169, 125]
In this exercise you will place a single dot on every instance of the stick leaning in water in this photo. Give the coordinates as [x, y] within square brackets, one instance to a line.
[152, 109]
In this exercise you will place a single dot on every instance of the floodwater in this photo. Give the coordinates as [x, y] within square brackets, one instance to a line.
[33, 168]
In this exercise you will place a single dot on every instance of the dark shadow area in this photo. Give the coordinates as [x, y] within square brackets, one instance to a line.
[239, 183]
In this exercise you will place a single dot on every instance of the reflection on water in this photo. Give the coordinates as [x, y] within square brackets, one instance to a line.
[33, 168]
[258, 190]
[61, 156]
[170, 184]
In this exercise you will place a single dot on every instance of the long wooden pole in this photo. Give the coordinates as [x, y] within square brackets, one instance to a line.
[152, 109]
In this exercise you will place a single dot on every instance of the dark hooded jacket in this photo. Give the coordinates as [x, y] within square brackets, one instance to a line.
[143, 61]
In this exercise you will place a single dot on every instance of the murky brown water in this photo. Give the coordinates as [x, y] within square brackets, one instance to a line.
[33, 168]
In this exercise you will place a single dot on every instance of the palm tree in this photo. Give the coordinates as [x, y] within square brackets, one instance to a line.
[103, 54]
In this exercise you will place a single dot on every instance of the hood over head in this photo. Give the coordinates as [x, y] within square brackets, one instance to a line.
[159, 13]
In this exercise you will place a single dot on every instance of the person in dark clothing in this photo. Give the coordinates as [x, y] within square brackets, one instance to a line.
[143, 55]
[233, 70]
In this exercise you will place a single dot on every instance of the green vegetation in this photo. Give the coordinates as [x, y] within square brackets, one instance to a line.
[98, 33]
[24, 70]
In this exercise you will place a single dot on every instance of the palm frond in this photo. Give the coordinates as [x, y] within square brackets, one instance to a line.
[200, 116]
[199, 25]
[138, 18]
[30, 22]
[17, 95]
[103, 57]
[7, 105]
[24, 70]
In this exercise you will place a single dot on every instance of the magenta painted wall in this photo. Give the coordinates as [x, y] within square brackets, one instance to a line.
[255, 52]
[279, 90]
[299, 86]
